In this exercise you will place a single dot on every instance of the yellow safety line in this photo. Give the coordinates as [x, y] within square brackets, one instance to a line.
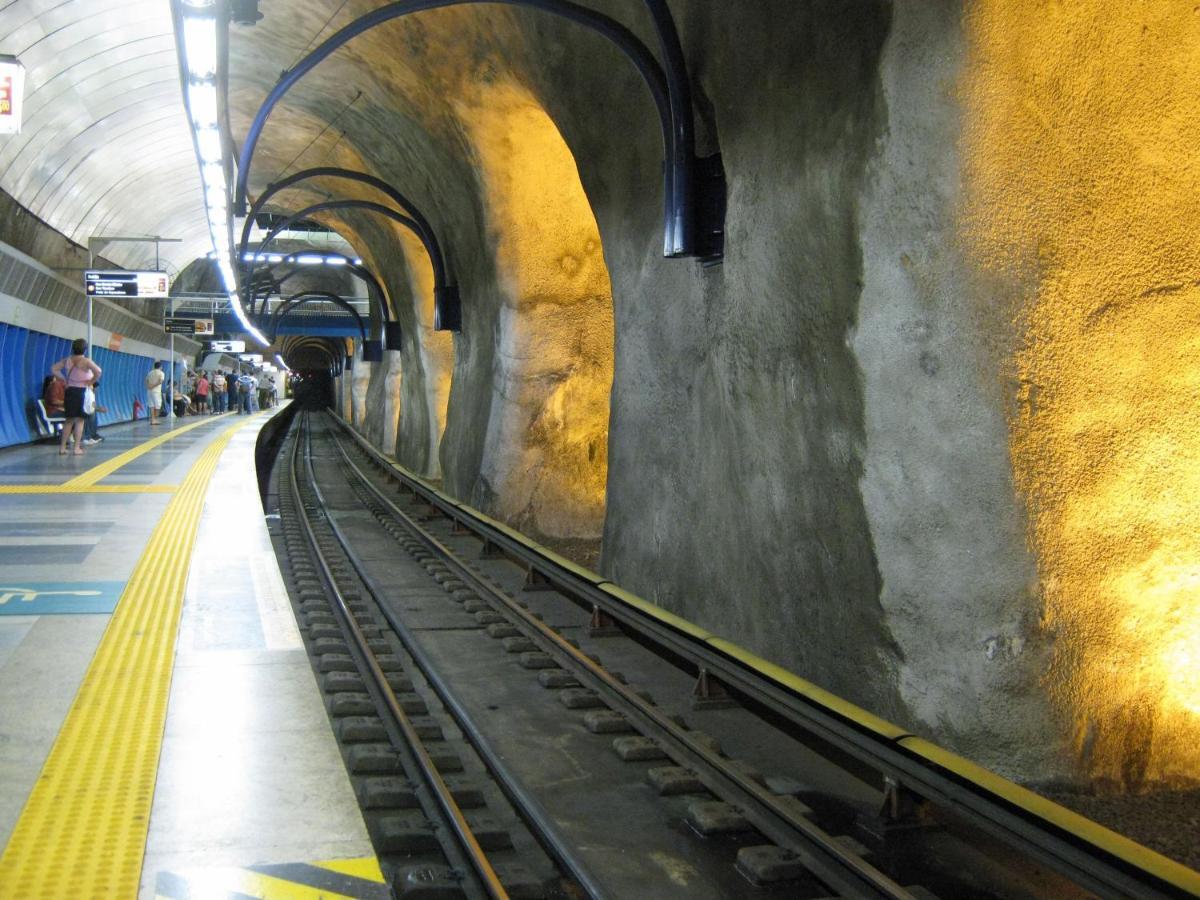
[82, 833]
[364, 867]
[225, 881]
[106, 468]
[89, 489]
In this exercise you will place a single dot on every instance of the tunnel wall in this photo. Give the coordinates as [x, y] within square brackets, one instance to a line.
[870, 444]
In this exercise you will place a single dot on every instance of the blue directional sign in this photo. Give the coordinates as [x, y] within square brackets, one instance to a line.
[43, 598]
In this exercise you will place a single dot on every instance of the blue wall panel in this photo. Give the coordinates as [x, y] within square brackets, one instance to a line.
[25, 360]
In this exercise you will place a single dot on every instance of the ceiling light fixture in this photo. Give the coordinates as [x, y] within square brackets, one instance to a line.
[197, 43]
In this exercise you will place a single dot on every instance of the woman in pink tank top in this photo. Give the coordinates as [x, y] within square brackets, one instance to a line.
[79, 372]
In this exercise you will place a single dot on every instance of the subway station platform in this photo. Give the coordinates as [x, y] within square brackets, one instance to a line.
[161, 732]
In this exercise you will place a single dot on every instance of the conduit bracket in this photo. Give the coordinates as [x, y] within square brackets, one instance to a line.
[536, 581]
[490, 550]
[602, 624]
[710, 194]
[709, 693]
[902, 810]
[447, 308]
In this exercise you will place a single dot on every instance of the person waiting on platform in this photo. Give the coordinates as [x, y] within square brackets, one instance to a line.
[220, 398]
[202, 393]
[231, 389]
[245, 387]
[91, 428]
[54, 395]
[80, 372]
[179, 400]
[154, 382]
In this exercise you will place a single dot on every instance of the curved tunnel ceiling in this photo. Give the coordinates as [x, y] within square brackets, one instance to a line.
[105, 148]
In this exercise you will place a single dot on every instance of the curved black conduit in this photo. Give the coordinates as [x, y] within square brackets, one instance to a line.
[323, 207]
[295, 301]
[423, 231]
[361, 271]
[675, 118]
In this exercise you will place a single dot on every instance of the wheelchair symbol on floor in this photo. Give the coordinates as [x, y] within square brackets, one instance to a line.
[28, 595]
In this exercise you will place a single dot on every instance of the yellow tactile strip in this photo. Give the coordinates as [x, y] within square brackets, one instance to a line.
[88, 489]
[83, 830]
[106, 468]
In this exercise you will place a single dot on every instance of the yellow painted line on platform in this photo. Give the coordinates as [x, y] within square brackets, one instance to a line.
[366, 867]
[106, 468]
[83, 830]
[89, 489]
[357, 879]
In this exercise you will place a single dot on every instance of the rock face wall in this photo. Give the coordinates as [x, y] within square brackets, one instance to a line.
[868, 444]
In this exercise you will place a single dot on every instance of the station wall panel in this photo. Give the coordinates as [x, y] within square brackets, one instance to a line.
[25, 360]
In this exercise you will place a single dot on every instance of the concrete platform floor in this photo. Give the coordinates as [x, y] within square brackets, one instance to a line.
[249, 774]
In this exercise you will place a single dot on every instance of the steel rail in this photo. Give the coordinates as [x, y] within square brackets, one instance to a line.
[544, 829]
[820, 852]
[1087, 863]
[481, 867]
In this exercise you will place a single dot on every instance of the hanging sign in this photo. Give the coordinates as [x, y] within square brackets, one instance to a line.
[205, 326]
[178, 325]
[12, 91]
[226, 346]
[152, 285]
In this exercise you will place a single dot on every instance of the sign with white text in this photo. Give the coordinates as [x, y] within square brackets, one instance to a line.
[12, 90]
[177, 325]
[153, 285]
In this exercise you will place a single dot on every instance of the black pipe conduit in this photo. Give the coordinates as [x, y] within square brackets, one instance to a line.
[323, 207]
[424, 230]
[675, 118]
[361, 271]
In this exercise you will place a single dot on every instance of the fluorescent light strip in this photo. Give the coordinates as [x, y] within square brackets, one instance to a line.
[200, 51]
[282, 364]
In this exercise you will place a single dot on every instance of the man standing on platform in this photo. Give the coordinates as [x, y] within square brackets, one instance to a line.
[154, 381]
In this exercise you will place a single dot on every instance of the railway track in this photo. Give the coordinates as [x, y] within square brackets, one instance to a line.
[785, 791]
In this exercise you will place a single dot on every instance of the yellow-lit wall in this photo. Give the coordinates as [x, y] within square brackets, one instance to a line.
[546, 453]
[1082, 176]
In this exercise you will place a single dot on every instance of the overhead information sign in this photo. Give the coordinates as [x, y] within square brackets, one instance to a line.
[126, 284]
[205, 326]
[226, 346]
[175, 325]
[12, 90]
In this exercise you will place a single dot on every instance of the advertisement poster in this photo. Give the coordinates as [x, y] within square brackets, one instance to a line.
[12, 86]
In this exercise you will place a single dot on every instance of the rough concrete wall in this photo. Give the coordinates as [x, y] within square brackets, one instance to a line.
[1081, 167]
[736, 439]
[958, 586]
[361, 415]
[874, 444]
